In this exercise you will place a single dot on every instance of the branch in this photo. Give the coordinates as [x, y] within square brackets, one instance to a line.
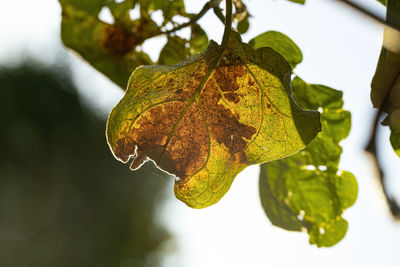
[228, 23]
[368, 13]
[210, 4]
[218, 13]
[371, 148]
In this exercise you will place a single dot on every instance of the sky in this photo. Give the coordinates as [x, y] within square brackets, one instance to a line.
[340, 49]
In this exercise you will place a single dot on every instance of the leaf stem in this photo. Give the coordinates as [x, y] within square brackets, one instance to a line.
[228, 23]
[218, 13]
[372, 149]
[210, 4]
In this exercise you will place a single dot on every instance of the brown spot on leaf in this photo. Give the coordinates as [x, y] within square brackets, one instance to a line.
[189, 146]
[251, 82]
[119, 42]
[139, 160]
[223, 124]
[183, 153]
[233, 97]
[242, 157]
[229, 70]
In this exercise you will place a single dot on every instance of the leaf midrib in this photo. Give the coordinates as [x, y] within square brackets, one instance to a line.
[193, 98]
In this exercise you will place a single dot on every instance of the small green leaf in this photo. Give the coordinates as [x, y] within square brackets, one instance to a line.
[209, 117]
[89, 6]
[198, 39]
[120, 10]
[175, 50]
[395, 140]
[243, 25]
[281, 44]
[306, 190]
[298, 1]
[383, 2]
[170, 8]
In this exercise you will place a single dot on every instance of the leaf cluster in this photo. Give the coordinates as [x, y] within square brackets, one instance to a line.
[307, 192]
[208, 111]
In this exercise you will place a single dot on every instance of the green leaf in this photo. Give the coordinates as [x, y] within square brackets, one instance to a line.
[281, 44]
[385, 80]
[170, 8]
[209, 117]
[120, 10]
[383, 2]
[395, 141]
[385, 86]
[174, 51]
[89, 6]
[298, 1]
[243, 25]
[110, 48]
[198, 39]
[306, 191]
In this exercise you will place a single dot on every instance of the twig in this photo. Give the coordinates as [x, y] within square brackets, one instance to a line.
[219, 14]
[370, 14]
[228, 23]
[371, 148]
[210, 4]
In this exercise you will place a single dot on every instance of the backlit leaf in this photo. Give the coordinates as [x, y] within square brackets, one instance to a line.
[395, 141]
[385, 86]
[174, 51]
[110, 48]
[198, 39]
[243, 25]
[383, 2]
[209, 117]
[306, 191]
[281, 44]
[298, 1]
[170, 8]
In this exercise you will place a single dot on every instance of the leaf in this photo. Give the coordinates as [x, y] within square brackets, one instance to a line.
[385, 80]
[209, 117]
[395, 141]
[174, 51]
[110, 48]
[198, 39]
[243, 25]
[385, 86]
[89, 6]
[281, 44]
[298, 1]
[170, 8]
[383, 2]
[306, 191]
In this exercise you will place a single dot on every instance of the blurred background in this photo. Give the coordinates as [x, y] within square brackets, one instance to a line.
[65, 201]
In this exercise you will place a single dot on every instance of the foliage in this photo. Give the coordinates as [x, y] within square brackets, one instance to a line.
[206, 113]
[306, 190]
[385, 93]
[207, 118]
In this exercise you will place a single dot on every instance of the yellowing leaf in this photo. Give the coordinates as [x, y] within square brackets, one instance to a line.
[209, 117]
[110, 48]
